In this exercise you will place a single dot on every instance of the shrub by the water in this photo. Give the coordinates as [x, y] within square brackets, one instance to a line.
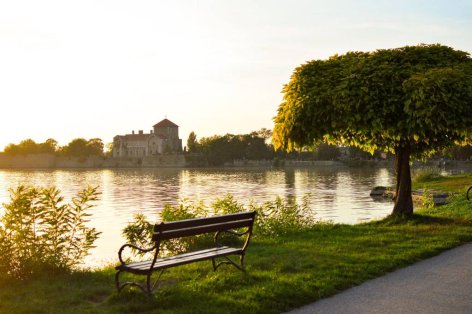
[40, 233]
[273, 218]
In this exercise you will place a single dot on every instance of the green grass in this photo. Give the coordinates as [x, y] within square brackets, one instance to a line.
[456, 183]
[282, 273]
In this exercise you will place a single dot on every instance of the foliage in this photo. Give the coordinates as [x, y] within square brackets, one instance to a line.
[283, 216]
[80, 147]
[38, 232]
[418, 94]
[220, 149]
[192, 143]
[427, 200]
[411, 101]
[228, 205]
[139, 232]
[29, 146]
[459, 152]
[272, 219]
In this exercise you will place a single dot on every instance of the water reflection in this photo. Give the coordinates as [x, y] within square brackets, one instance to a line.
[339, 194]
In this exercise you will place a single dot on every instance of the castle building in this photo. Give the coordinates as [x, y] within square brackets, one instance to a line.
[164, 138]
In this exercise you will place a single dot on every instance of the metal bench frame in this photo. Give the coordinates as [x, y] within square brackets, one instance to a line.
[185, 228]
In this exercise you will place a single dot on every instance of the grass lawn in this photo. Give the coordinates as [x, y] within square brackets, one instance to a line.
[457, 183]
[281, 273]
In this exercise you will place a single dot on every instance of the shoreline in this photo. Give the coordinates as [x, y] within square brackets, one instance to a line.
[181, 161]
[48, 161]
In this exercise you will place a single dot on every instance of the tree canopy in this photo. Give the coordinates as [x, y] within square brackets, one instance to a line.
[78, 147]
[220, 149]
[192, 143]
[81, 147]
[412, 101]
[29, 146]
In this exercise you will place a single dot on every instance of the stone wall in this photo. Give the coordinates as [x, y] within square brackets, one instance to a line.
[51, 161]
[27, 161]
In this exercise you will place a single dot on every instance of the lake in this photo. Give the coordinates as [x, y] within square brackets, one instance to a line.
[340, 194]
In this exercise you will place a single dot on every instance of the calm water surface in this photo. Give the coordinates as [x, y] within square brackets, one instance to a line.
[337, 194]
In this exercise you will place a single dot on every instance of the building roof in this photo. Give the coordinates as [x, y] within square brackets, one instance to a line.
[139, 137]
[165, 123]
[136, 137]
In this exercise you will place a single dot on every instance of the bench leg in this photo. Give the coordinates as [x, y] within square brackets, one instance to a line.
[148, 284]
[150, 288]
[146, 288]
[228, 261]
[213, 263]
[117, 281]
[120, 287]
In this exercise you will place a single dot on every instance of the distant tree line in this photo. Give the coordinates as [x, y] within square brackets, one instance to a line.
[78, 147]
[220, 149]
[458, 152]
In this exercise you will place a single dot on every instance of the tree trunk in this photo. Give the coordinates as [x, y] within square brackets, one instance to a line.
[403, 200]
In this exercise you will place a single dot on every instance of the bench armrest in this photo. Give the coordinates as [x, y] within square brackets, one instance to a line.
[133, 247]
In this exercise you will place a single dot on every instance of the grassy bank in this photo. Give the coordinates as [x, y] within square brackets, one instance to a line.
[456, 183]
[282, 273]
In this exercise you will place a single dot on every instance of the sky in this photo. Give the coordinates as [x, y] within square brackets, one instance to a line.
[102, 68]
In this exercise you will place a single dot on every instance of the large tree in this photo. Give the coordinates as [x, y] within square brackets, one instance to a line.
[411, 101]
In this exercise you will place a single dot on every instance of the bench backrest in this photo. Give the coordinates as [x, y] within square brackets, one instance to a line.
[191, 227]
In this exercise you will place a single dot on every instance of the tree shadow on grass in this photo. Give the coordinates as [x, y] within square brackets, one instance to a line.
[415, 219]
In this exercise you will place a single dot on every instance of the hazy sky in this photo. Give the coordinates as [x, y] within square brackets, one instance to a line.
[88, 69]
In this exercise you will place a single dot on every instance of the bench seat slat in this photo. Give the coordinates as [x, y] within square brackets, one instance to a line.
[165, 262]
[135, 264]
[188, 223]
[196, 230]
[167, 258]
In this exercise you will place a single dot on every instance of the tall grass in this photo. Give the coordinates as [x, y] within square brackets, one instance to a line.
[426, 174]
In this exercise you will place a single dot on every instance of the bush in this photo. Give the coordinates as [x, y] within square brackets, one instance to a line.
[139, 231]
[282, 216]
[426, 174]
[427, 200]
[272, 218]
[39, 233]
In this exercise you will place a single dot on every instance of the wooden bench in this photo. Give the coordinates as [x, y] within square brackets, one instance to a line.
[185, 228]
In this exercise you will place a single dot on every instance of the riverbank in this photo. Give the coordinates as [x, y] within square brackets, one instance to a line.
[283, 272]
[50, 161]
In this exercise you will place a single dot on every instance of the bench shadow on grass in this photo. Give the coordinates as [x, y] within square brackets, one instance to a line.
[174, 297]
